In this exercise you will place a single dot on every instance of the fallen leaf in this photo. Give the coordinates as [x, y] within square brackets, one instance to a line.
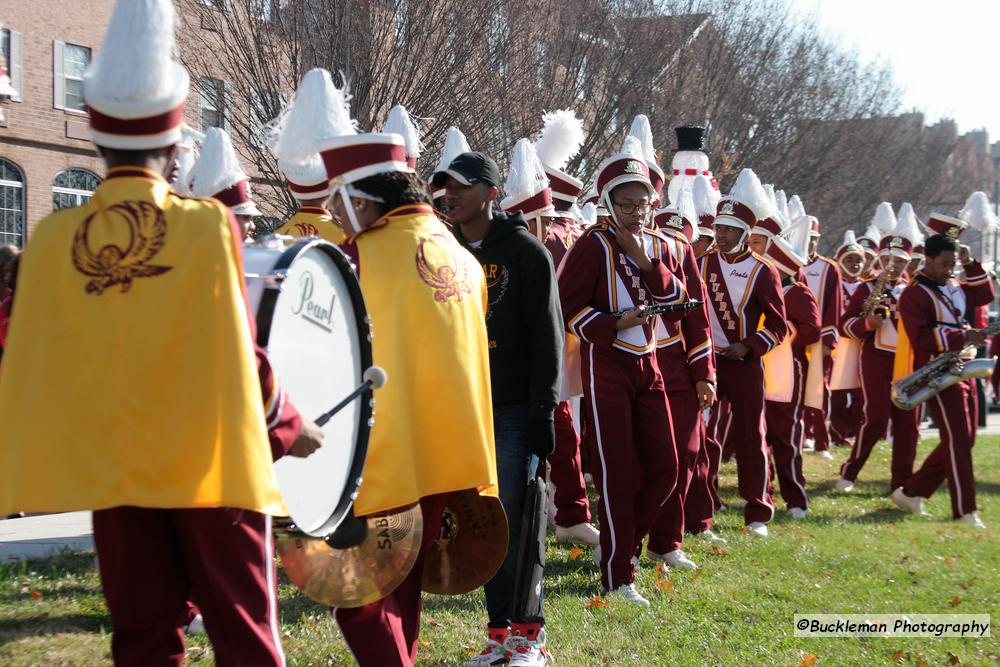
[425, 644]
[575, 552]
[898, 656]
[953, 659]
[808, 660]
[955, 601]
[36, 593]
[661, 569]
[830, 573]
[697, 573]
[433, 624]
[665, 585]
[716, 551]
[921, 662]
[733, 597]
[596, 601]
[949, 560]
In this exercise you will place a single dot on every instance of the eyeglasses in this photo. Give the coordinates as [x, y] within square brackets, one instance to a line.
[630, 208]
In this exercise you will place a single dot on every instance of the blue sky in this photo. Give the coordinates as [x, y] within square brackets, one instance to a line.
[944, 54]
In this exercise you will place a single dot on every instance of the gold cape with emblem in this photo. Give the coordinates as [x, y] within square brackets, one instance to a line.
[313, 221]
[433, 430]
[130, 375]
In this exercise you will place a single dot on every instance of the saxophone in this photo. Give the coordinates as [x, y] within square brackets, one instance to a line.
[875, 302]
[942, 372]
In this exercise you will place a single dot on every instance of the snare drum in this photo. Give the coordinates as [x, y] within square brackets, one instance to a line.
[312, 321]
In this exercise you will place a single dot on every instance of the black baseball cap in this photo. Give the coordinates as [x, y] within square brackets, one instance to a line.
[468, 169]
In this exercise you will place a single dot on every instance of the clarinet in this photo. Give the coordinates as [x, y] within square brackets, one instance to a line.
[664, 308]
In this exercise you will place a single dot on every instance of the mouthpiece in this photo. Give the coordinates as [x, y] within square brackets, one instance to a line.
[376, 375]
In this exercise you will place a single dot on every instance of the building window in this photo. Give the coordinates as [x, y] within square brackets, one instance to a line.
[73, 187]
[69, 63]
[211, 107]
[11, 204]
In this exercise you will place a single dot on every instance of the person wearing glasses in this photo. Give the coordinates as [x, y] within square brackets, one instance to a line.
[608, 279]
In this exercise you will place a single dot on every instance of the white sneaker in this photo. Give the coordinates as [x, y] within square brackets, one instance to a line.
[797, 513]
[494, 654]
[914, 504]
[757, 529]
[825, 454]
[583, 534]
[588, 479]
[809, 445]
[675, 558]
[596, 556]
[844, 485]
[527, 653]
[628, 592]
[710, 536]
[972, 519]
[196, 626]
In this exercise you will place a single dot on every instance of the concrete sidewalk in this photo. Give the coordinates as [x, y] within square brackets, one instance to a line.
[44, 535]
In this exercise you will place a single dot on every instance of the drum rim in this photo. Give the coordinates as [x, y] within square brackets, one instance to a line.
[268, 302]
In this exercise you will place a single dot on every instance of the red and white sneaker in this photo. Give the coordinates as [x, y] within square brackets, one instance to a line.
[526, 645]
[495, 652]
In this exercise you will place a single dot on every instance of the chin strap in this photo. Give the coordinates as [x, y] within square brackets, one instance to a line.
[345, 199]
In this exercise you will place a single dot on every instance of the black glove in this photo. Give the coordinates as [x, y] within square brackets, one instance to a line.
[541, 435]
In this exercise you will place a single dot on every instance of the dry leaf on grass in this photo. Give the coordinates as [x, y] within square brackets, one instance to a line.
[808, 660]
[953, 659]
[575, 552]
[955, 601]
[596, 601]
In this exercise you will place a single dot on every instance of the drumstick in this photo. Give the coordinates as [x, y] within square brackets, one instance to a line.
[374, 377]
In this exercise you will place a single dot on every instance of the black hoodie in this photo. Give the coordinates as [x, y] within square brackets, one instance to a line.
[523, 319]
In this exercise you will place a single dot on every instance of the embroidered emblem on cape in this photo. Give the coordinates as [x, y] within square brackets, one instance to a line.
[449, 278]
[306, 229]
[113, 265]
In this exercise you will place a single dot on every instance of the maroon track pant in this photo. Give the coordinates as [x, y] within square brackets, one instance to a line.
[703, 494]
[152, 560]
[634, 461]
[742, 382]
[384, 633]
[876, 383]
[667, 532]
[817, 419]
[784, 439]
[566, 473]
[846, 414]
[952, 458]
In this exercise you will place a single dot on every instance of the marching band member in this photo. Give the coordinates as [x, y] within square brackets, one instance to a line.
[785, 367]
[877, 333]
[622, 266]
[822, 277]
[525, 332]
[845, 392]
[684, 357]
[560, 140]
[932, 311]
[772, 225]
[420, 450]
[219, 175]
[744, 289]
[182, 489]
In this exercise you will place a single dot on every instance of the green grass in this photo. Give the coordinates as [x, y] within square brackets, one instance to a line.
[855, 554]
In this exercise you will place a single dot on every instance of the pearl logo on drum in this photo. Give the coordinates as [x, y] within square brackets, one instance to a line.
[312, 310]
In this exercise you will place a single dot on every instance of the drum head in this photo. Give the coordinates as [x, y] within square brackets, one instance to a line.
[316, 334]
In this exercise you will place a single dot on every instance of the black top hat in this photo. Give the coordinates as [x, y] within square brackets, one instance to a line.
[690, 138]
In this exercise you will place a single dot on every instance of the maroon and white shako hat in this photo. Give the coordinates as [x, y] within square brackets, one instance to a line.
[745, 204]
[134, 88]
[706, 200]
[219, 175]
[527, 186]
[400, 122]
[849, 246]
[680, 219]
[789, 250]
[946, 225]
[560, 140]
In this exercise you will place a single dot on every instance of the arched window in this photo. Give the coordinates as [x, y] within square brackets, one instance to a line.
[73, 187]
[11, 204]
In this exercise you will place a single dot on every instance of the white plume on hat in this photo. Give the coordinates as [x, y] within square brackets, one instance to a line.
[217, 167]
[685, 206]
[979, 213]
[400, 122]
[884, 220]
[632, 147]
[135, 74]
[797, 237]
[849, 238]
[781, 202]
[525, 176]
[772, 197]
[872, 233]
[642, 131]
[748, 191]
[588, 214]
[454, 145]
[704, 197]
[795, 209]
[561, 138]
[907, 224]
[318, 111]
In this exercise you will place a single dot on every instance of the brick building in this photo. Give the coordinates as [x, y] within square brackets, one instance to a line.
[46, 158]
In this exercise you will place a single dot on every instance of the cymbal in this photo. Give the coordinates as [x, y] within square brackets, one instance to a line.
[471, 547]
[359, 574]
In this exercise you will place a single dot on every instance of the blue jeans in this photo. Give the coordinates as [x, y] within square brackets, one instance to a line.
[515, 466]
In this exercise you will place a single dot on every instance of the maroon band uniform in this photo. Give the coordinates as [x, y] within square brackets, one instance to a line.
[822, 277]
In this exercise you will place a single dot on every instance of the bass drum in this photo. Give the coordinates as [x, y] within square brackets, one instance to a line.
[312, 321]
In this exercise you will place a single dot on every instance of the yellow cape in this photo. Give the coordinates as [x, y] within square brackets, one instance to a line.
[426, 297]
[129, 376]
